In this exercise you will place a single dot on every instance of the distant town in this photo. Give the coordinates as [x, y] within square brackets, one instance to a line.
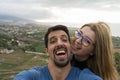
[29, 37]
[26, 37]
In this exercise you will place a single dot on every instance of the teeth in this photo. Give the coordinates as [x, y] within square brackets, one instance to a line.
[58, 52]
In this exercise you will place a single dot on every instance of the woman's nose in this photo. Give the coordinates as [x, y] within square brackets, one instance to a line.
[79, 40]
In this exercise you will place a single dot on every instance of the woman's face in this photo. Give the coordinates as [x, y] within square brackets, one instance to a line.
[82, 45]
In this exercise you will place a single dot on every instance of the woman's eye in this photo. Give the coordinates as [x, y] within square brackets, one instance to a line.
[87, 40]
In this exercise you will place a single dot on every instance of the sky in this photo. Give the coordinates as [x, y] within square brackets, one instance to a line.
[67, 11]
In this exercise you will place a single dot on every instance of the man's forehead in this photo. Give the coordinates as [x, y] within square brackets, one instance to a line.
[57, 33]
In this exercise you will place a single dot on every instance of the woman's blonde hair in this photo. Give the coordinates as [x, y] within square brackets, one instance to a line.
[102, 63]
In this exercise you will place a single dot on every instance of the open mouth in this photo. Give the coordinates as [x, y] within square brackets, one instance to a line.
[60, 52]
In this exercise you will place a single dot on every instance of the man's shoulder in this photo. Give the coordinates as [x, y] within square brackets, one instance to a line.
[38, 69]
[87, 74]
[32, 73]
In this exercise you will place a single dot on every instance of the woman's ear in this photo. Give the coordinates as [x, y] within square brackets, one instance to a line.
[91, 54]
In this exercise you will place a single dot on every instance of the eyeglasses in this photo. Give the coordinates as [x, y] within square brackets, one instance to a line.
[85, 41]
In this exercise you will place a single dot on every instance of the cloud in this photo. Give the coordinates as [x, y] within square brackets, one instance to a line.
[25, 10]
[64, 3]
[43, 9]
[72, 11]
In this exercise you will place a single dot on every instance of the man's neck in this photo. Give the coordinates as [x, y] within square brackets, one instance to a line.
[58, 73]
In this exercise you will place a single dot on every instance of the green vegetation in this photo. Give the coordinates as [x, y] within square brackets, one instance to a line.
[36, 47]
[116, 41]
[117, 59]
[3, 40]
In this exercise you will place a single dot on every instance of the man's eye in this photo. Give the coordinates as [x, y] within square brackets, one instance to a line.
[52, 40]
[65, 40]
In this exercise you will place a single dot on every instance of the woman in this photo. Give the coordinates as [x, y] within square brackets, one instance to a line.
[92, 47]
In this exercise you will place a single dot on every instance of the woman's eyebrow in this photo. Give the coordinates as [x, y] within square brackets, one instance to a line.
[81, 31]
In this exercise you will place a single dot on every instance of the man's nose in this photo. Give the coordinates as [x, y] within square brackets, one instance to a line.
[60, 41]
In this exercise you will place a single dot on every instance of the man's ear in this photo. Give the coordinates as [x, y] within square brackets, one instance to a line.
[46, 51]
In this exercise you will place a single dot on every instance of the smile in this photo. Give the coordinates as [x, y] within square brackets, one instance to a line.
[60, 52]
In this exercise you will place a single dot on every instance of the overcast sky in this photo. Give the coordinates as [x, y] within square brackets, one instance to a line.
[73, 11]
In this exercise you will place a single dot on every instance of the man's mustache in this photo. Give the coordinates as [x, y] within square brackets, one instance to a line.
[59, 48]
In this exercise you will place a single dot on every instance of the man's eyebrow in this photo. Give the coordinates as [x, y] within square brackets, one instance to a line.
[64, 35]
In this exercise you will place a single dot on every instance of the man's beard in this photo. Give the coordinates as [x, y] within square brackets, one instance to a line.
[61, 65]
[58, 64]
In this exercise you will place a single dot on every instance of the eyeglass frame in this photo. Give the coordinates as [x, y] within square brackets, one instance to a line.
[78, 35]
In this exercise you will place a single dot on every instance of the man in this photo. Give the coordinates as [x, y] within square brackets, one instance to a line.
[57, 42]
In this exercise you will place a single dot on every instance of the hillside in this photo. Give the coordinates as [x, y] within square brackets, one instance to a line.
[11, 64]
[10, 19]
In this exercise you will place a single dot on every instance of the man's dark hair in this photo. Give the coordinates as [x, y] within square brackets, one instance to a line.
[55, 28]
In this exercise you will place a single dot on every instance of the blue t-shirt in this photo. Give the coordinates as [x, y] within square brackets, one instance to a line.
[43, 73]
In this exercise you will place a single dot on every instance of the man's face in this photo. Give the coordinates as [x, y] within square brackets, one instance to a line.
[59, 48]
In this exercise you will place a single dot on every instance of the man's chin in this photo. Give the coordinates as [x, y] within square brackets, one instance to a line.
[58, 64]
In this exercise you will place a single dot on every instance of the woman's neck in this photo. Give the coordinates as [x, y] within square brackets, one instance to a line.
[80, 58]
